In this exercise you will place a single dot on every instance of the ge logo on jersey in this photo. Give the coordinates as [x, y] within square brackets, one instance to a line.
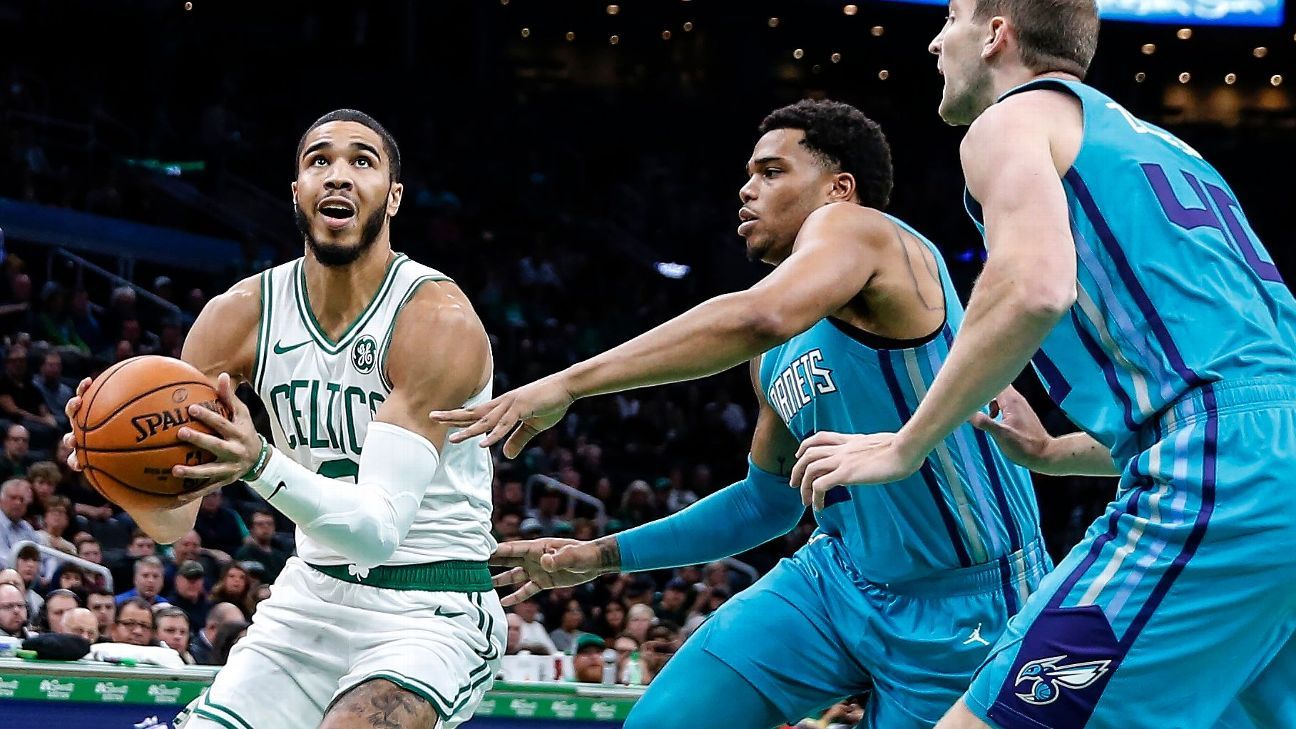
[1045, 678]
[365, 354]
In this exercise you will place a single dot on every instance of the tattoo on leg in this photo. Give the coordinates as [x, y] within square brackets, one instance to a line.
[388, 707]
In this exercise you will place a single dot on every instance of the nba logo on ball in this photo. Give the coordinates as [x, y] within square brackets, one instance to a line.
[364, 354]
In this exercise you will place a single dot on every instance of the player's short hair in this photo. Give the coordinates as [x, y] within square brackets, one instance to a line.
[359, 117]
[842, 139]
[1055, 35]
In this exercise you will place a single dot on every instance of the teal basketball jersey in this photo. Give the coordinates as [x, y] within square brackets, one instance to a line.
[1174, 290]
[967, 505]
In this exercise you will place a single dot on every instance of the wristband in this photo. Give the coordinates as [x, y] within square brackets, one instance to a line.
[255, 471]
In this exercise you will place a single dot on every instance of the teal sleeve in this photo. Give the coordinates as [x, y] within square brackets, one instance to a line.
[734, 519]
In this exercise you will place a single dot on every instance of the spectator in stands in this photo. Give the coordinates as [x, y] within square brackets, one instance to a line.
[190, 548]
[612, 620]
[189, 593]
[546, 512]
[49, 383]
[28, 566]
[716, 574]
[638, 621]
[637, 505]
[624, 645]
[44, 479]
[513, 643]
[173, 630]
[218, 525]
[104, 606]
[141, 342]
[81, 622]
[84, 321]
[15, 496]
[69, 576]
[16, 458]
[534, 636]
[16, 314]
[660, 647]
[674, 602]
[507, 527]
[228, 634]
[565, 636]
[530, 528]
[57, 517]
[235, 587]
[587, 658]
[584, 530]
[201, 645]
[123, 568]
[57, 605]
[134, 623]
[22, 403]
[708, 601]
[55, 324]
[639, 591]
[89, 549]
[148, 583]
[87, 502]
[13, 612]
[260, 545]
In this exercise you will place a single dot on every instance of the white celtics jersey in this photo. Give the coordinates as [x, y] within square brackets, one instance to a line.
[321, 395]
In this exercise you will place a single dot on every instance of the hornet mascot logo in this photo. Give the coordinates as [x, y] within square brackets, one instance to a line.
[1045, 678]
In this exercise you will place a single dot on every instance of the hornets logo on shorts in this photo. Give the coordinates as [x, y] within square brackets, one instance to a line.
[1045, 678]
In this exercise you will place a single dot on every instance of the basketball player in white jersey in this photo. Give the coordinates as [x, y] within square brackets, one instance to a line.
[386, 617]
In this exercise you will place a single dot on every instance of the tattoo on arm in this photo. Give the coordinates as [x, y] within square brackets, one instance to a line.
[609, 553]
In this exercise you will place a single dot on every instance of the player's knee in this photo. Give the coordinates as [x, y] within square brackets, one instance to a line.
[380, 703]
[960, 717]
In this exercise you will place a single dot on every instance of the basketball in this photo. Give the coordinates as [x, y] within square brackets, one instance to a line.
[125, 432]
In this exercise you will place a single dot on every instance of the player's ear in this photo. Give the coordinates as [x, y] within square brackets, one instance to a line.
[394, 195]
[843, 187]
[294, 191]
[997, 38]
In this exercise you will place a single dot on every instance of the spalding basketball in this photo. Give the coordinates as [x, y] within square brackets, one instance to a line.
[126, 429]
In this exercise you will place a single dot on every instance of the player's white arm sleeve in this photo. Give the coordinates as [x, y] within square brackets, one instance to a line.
[367, 520]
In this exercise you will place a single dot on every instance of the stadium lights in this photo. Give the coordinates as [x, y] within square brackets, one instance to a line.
[850, 9]
[835, 58]
[1185, 77]
[613, 40]
[1149, 49]
[688, 26]
[883, 75]
[1140, 77]
[1275, 80]
[666, 35]
[772, 22]
[798, 53]
[613, 9]
[1184, 33]
[570, 36]
[877, 31]
[1230, 79]
[1259, 51]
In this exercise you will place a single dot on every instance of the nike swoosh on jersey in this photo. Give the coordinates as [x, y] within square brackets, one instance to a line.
[285, 350]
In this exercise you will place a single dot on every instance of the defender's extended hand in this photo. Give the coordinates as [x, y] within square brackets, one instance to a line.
[540, 564]
[537, 407]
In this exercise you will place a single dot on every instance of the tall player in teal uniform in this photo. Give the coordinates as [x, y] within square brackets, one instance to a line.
[1121, 264]
[904, 586]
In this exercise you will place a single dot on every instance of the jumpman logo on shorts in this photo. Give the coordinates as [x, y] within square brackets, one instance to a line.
[976, 637]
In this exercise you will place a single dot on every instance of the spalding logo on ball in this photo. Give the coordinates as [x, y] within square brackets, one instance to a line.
[126, 430]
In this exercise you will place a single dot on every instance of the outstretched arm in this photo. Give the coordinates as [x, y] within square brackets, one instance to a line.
[1027, 286]
[833, 260]
[736, 518]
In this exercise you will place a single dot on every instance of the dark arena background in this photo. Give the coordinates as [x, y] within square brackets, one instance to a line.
[575, 167]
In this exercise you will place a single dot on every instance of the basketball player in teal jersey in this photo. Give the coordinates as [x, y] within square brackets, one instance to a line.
[904, 586]
[1120, 264]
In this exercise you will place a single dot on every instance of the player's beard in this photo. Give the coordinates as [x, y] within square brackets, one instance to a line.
[336, 255]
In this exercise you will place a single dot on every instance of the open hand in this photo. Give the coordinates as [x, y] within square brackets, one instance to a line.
[541, 564]
[537, 407]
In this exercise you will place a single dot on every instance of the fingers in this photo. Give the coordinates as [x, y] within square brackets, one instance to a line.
[461, 418]
[82, 386]
[505, 421]
[524, 593]
[821, 439]
[511, 577]
[210, 443]
[806, 457]
[572, 557]
[489, 415]
[518, 441]
[214, 420]
[981, 421]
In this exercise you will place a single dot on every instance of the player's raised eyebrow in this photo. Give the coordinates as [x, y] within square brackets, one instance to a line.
[321, 144]
[763, 161]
